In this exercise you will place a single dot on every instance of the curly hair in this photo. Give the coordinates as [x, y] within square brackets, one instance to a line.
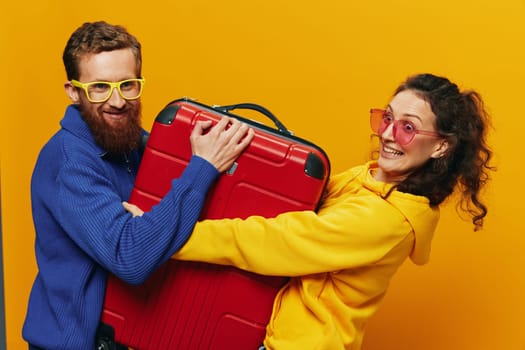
[462, 120]
[96, 37]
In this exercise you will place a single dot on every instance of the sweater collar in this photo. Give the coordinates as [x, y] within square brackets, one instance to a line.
[75, 124]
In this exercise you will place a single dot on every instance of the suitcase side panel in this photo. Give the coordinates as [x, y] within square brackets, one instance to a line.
[203, 306]
[258, 171]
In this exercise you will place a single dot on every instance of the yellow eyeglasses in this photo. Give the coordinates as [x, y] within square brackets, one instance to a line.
[100, 91]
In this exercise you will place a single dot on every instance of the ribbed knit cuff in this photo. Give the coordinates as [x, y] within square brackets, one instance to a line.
[200, 174]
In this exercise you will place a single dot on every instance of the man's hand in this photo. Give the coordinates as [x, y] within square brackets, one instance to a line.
[133, 209]
[223, 143]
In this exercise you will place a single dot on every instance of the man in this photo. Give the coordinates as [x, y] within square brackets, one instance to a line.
[85, 172]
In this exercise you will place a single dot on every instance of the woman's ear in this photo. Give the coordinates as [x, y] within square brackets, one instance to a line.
[72, 92]
[441, 149]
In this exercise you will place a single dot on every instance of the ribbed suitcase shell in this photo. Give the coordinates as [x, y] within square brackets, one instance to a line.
[194, 306]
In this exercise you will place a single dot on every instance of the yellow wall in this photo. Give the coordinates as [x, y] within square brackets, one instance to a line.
[319, 65]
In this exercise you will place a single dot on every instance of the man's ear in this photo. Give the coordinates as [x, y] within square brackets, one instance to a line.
[441, 149]
[72, 92]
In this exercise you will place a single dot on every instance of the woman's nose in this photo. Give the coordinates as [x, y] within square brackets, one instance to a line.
[388, 133]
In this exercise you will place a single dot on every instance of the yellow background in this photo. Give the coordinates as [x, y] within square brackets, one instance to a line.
[319, 66]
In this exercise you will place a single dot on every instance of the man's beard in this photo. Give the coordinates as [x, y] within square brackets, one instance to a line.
[121, 137]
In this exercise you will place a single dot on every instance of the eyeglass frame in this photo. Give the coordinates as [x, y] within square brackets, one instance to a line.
[395, 123]
[113, 85]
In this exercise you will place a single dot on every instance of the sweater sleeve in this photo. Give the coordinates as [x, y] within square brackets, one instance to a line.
[344, 234]
[91, 212]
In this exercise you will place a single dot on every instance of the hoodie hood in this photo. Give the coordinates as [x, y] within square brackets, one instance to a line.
[423, 221]
[416, 209]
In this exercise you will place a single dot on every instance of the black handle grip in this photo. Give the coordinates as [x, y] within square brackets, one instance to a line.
[252, 106]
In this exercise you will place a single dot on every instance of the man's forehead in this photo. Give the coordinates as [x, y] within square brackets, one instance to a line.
[108, 65]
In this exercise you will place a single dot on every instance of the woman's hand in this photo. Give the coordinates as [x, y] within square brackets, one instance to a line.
[222, 143]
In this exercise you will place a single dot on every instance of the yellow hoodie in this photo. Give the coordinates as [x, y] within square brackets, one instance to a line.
[341, 259]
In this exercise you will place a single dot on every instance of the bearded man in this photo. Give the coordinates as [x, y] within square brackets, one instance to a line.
[83, 175]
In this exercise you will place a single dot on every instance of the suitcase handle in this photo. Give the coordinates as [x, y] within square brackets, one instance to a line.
[255, 107]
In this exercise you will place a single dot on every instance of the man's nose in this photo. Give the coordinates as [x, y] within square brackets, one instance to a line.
[115, 100]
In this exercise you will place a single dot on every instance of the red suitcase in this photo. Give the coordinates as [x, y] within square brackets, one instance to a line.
[188, 305]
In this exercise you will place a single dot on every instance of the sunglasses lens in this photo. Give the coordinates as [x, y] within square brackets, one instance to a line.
[379, 122]
[376, 121]
[373, 122]
[402, 136]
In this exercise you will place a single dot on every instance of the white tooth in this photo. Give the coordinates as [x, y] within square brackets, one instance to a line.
[391, 151]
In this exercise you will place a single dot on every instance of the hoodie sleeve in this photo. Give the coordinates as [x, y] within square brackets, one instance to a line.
[344, 234]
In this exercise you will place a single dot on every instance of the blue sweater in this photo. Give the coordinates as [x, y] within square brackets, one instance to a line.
[83, 232]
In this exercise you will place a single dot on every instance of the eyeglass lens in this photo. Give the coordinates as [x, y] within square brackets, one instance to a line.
[128, 89]
[379, 122]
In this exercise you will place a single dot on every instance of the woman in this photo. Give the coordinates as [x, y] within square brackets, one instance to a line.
[374, 216]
